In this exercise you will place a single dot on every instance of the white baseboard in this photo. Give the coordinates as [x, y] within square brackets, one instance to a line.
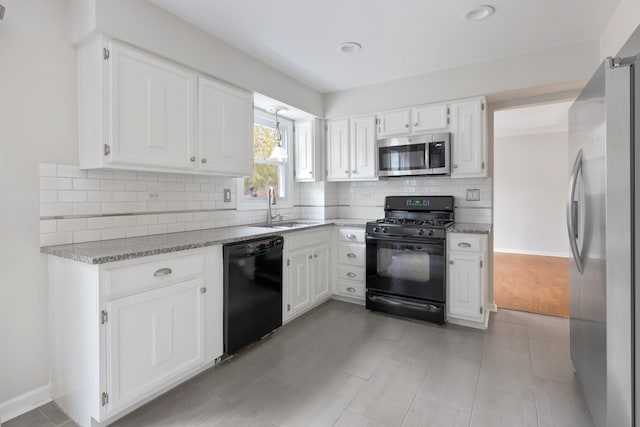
[539, 253]
[24, 403]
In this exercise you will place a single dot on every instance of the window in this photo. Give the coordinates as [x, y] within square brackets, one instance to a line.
[252, 190]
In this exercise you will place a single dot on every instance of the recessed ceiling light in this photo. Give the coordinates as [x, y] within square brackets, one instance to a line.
[350, 47]
[479, 13]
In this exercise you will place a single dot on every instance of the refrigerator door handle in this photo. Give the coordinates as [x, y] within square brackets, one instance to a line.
[572, 214]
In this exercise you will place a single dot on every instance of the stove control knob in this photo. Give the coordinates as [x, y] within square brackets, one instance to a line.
[430, 233]
[385, 229]
[376, 229]
[421, 232]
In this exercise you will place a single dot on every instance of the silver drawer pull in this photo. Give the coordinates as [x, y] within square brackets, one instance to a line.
[350, 274]
[351, 289]
[351, 255]
[162, 272]
[351, 236]
[464, 245]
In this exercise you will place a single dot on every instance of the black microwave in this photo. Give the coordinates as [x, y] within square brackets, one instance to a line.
[414, 155]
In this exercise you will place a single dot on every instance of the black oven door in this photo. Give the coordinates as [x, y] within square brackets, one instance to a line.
[406, 267]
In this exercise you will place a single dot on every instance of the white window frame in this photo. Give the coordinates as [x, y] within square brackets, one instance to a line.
[286, 179]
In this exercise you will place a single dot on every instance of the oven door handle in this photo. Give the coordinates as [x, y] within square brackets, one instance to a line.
[439, 242]
[423, 306]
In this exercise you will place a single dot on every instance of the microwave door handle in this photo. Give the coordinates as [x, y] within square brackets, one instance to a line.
[572, 211]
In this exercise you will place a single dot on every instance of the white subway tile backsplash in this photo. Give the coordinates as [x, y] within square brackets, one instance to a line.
[136, 231]
[157, 229]
[135, 185]
[125, 221]
[99, 196]
[86, 208]
[72, 224]
[48, 226]
[48, 196]
[86, 236]
[112, 233]
[110, 184]
[56, 209]
[99, 223]
[86, 184]
[54, 183]
[51, 239]
[99, 174]
[125, 175]
[66, 196]
[71, 171]
[125, 196]
[113, 207]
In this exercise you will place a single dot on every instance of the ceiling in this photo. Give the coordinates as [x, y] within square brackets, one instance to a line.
[534, 120]
[400, 39]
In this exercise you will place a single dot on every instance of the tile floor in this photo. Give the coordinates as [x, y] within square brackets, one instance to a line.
[340, 365]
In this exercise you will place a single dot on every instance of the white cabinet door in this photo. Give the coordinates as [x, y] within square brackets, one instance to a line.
[429, 118]
[300, 271]
[152, 110]
[363, 148]
[465, 286]
[321, 284]
[338, 164]
[225, 129]
[393, 123]
[304, 152]
[467, 139]
[152, 338]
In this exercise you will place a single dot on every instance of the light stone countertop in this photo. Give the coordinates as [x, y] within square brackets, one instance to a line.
[105, 251]
[466, 227]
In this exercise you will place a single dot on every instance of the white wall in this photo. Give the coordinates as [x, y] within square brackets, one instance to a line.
[566, 65]
[37, 123]
[529, 176]
[623, 23]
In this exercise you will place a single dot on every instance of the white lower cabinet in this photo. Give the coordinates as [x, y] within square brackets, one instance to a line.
[131, 329]
[351, 263]
[467, 280]
[306, 279]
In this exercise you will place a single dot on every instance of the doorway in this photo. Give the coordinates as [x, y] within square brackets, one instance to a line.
[531, 250]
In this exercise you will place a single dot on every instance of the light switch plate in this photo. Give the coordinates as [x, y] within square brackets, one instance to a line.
[227, 195]
[473, 195]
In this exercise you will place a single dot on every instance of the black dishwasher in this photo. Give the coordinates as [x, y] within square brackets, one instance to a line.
[252, 291]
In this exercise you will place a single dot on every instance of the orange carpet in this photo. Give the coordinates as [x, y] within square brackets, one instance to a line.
[537, 284]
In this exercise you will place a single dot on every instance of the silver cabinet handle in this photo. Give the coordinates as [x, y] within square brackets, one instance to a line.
[203, 160]
[192, 158]
[346, 171]
[455, 166]
[450, 261]
[415, 124]
[573, 239]
[464, 245]
[351, 255]
[351, 236]
[310, 172]
[315, 255]
[351, 289]
[203, 290]
[407, 125]
[350, 274]
[310, 256]
[161, 272]
[355, 172]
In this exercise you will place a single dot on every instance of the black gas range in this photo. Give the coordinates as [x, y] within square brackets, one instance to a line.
[406, 256]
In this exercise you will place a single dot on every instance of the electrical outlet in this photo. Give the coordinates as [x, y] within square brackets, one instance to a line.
[154, 195]
[473, 195]
[227, 195]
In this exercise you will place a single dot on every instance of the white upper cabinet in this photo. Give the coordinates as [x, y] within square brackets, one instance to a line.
[138, 111]
[425, 118]
[304, 152]
[468, 147]
[363, 147]
[430, 118]
[225, 125]
[394, 123]
[351, 149]
[338, 167]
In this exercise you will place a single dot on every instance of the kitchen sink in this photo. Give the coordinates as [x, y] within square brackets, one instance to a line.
[286, 224]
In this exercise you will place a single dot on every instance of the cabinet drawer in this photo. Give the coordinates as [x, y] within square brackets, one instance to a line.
[351, 253]
[465, 242]
[355, 235]
[356, 274]
[132, 279]
[356, 290]
[301, 239]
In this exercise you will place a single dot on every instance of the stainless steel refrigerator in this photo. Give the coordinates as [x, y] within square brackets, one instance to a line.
[601, 217]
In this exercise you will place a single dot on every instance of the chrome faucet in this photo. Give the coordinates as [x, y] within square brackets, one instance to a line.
[271, 200]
